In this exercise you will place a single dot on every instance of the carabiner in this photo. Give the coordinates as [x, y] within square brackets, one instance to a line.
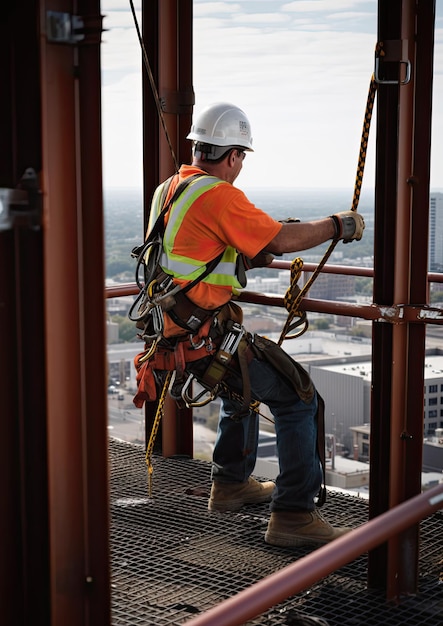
[194, 402]
[150, 351]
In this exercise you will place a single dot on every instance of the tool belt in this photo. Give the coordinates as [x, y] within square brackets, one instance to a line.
[221, 336]
[232, 358]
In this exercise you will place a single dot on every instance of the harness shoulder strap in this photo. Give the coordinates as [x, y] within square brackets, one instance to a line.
[156, 233]
[149, 253]
[211, 265]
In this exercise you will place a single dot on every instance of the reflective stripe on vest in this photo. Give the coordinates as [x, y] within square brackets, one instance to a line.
[188, 268]
[156, 205]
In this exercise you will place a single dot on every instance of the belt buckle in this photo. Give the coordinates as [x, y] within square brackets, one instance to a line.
[232, 339]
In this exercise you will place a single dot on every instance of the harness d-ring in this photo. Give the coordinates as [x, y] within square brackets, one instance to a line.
[196, 346]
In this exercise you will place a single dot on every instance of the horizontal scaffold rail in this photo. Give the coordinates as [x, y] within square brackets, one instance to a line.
[393, 313]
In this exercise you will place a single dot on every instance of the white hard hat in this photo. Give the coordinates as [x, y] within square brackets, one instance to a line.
[224, 125]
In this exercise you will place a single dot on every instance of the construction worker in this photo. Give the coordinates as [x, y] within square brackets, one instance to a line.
[213, 221]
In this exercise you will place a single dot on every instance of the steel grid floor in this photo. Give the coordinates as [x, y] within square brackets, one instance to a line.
[171, 559]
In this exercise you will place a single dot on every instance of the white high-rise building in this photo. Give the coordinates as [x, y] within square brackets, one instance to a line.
[436, 232]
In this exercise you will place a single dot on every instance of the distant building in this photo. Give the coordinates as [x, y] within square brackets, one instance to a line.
[361, 437]
[436, 232]
[269, 284]
[346, 389]
[347, 474]
[433, 454]
[111, 332]
[341, 369]
[333, 287]
[121, 362]
[432, 448]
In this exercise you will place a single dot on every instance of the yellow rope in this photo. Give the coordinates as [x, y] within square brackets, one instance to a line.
[294, 294]
[291, 302]
[155, 425]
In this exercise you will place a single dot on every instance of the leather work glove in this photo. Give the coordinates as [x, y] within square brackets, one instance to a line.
[349, 225]
[244, 263]
[262, 259]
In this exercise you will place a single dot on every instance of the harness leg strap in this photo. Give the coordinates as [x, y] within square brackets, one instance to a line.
[243, 360]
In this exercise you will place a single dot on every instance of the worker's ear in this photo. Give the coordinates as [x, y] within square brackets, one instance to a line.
[231, 157]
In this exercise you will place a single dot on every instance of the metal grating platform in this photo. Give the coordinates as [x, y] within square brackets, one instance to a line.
[171, 559]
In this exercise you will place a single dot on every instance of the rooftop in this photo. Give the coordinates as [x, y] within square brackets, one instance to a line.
[433, 368]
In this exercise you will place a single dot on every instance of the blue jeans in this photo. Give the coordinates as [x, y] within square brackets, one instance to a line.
[235, 450]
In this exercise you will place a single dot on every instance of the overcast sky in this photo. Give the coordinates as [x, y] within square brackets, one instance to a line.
[300, 70]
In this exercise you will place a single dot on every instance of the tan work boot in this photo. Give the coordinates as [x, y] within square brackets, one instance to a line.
[232, 496]
[298, 528]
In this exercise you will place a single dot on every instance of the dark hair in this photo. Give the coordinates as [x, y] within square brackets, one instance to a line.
[223, 156]
[206, 149]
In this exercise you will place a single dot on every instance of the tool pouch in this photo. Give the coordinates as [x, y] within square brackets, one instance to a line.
[293, 372]
[299, 378]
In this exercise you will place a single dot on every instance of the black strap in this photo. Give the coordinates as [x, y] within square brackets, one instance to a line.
[159, 229]
[320, 417]
[159, 225]
[208, 269]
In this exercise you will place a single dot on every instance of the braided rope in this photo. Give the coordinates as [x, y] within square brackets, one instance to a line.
[291, 304]
[364, 143]
[155, 425]
[294, 294]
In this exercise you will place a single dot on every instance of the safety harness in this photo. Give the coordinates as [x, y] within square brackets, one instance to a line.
[214, 344]
[158, 293]
[218, 332]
